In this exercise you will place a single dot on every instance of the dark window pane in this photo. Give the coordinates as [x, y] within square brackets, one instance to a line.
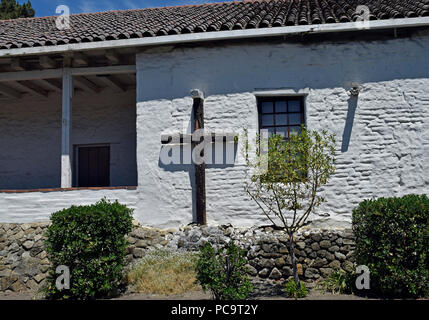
[267, 120]
[294, 118]
[294, 130]
[294, 105]
[267, 107]
[282, 131]
[281, 106]
[281, 119]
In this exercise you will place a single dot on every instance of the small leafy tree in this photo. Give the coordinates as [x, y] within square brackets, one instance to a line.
[285, 182]
[223, 271]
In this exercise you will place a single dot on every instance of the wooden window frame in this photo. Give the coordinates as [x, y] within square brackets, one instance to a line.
[286, 99]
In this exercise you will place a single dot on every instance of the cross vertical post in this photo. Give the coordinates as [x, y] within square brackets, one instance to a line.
[200, 169]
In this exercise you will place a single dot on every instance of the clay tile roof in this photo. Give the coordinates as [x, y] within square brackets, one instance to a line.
[157, 22]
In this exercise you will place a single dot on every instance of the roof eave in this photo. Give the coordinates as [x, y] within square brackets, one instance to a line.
[220, 35]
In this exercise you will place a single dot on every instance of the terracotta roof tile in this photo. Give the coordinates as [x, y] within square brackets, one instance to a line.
[138, 23]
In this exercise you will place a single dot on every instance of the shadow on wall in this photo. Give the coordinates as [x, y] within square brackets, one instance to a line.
[178, 165]
[352, 102]
[242, 68]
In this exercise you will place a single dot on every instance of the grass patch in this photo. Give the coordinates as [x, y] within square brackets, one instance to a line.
[164, 272]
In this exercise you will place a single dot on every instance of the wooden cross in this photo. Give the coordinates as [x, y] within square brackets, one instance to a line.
[200, 169]
[185, 139]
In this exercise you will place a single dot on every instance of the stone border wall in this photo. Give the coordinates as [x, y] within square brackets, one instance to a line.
[24, 263]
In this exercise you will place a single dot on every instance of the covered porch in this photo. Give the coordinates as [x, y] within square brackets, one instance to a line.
[67, 124]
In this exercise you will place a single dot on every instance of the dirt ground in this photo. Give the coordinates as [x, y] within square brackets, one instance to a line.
[198, 295]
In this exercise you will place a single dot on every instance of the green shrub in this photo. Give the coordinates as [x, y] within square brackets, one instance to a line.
[339, 281]
[392, 240]
[90, 240]
[223, 272]
[293, 291]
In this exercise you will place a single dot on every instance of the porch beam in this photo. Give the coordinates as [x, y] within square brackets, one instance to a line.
[81, 59]
[114, 83]
[112, 56]
[16, 64]
[103, 70]
[32, 89]
[87, 85]
[9, 92]
[66, 168]
[47, 62]
[57, 73]
[50, 85]
[30, 75]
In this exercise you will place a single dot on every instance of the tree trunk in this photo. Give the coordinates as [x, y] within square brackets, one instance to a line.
[293, 258]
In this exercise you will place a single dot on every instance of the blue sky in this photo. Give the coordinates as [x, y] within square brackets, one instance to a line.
[47, 7]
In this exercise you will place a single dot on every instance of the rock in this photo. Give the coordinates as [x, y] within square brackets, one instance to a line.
[322, 253]
[348, 266]
[28, 244]
[35, 251]
[334, 248]
[325, 272]
[315, 246]
[316, 237]
[287, 271]
[39, 277]
[138, 253]
[17, 286]
[141, 244]
[280, 262]
[311, 273]
[266, 263]
[335, 264]
[25, 226]
[275, 274]
[325, 244]
[131, 240]
[340, 256]
[319, 262]
[301, 245]
[251, 270]
[264, 273]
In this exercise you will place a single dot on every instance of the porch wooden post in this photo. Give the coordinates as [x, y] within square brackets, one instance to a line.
[67, 93]
[200, 169]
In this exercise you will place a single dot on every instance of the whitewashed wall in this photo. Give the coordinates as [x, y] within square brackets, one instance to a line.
[30, 137]
[38, 206]
[383, 146]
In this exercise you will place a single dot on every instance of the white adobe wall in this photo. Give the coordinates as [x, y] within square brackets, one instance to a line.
[30, 137]
[38, 206]
[387, 126]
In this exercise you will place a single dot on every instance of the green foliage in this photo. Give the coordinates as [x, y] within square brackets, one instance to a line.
[223, 272]
[339, 281]
[392, 240]
[90, 240]
[11, 9]
[294, 290]
[285, 181]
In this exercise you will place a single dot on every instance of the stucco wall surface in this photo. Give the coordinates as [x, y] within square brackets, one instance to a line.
[382, 135]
